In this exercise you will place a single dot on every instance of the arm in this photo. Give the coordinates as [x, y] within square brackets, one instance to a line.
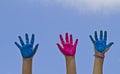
[68, 49]
[27, 66]
[27, 52]
[98, 66]
[100, 48]
[70, 65]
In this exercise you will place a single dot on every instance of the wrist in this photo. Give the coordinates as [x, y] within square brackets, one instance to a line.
[101, 56]
[27, 59]
[69, 58]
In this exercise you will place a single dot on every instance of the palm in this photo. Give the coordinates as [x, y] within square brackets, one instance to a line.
[27, 50]
[100, 45]
[68, 48]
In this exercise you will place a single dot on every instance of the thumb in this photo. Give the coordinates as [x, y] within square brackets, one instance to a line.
[35, 49]
[108, 46]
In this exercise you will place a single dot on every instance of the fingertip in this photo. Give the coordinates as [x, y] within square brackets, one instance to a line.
[105, 31]
[19, 37]
[70, 35]
[33, 35]
[76, 42]
[60, 35]
[15, 42]
[112, 43]
[37, 45]
[67, 38]
[77, 39]
[57, 44]
[101, 30]
[95, 31]
[66, 33]
[17, 45]
[90, 36]
[26, 33]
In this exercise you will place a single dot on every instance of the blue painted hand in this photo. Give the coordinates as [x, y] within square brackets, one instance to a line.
[27, 50]
[100, 44]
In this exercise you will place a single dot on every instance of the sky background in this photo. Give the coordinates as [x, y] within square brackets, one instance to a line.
[49, 18]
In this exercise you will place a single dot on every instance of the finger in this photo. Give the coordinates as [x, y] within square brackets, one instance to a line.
[62, 41]
[32, 39]
[110, 44]
[67, 40]
[27, 39]
[96, 38]
[59, 46]
[92, 39]
[108, 47]
[101, 35]
[35, 49]
[71, 39]
[105, 35]
[18, 45]
[21, 41]
[76, 42]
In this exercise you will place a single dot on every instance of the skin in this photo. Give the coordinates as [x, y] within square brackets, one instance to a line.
[27, 66]
[68, 49]
[27, 52]
[98, 66]
[70, 65]
[100, 48]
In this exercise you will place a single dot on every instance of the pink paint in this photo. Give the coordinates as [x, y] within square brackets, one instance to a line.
[67, 48]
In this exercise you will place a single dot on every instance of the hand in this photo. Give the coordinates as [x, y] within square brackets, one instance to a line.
[67, 48]
[27, 50]
[100, 44]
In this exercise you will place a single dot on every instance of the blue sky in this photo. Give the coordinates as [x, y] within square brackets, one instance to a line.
[47, 19]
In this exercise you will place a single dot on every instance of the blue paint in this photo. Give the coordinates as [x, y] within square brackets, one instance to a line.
[27, 49]
[100, 44]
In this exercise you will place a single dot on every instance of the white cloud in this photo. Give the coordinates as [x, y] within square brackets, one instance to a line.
[88, 5]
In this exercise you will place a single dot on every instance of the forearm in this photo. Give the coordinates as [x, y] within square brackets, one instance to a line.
[27, 66]
[70, 65]
[98, 65]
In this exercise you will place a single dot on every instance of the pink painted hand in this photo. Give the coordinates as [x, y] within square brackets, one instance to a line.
[67, 48]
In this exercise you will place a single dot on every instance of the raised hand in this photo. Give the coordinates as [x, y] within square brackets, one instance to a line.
[100, 44]
[68, 48]
[26, 49]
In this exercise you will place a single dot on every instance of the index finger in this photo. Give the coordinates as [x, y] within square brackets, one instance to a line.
[62, 41]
